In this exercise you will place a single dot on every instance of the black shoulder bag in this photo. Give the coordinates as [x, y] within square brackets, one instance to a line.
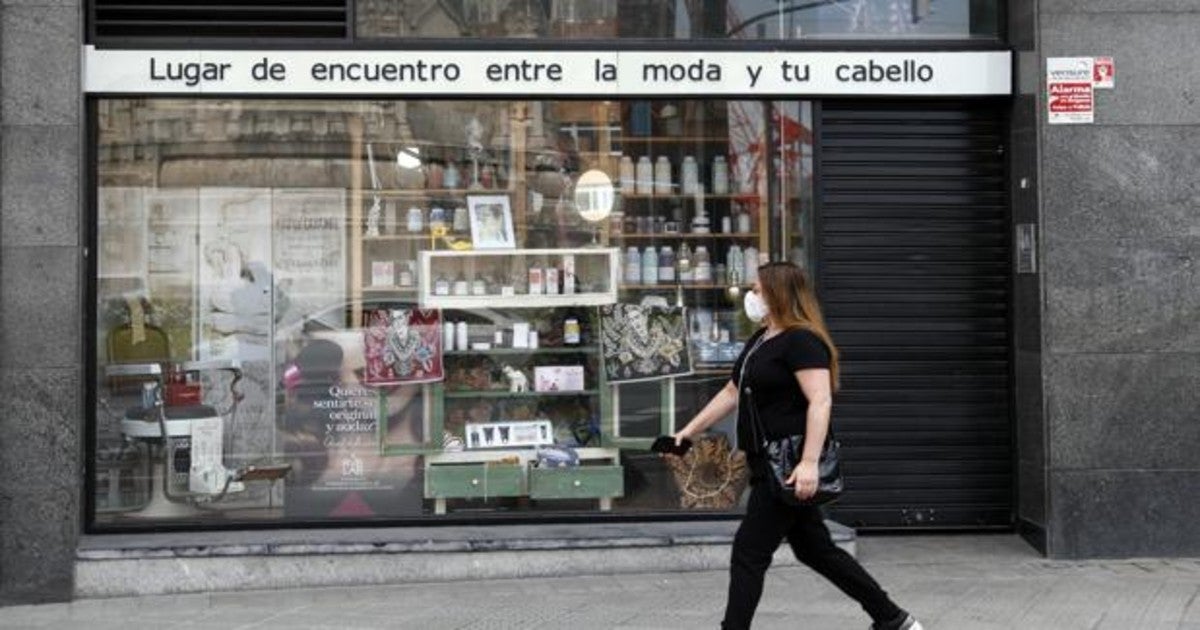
[783, 454]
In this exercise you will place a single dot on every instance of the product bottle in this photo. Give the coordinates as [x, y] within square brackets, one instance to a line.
[751, 274]
[434, 174]
[650, 266]
[447, 336]
[662, 176]
[726, 225]
[537, 280]
[703, 265]
[743, 221]
[452, 177]
[645, 176]
[415, 221]
[690, 176]
[633, 266]
[460, 285]
[735, 264]
[720, 176]
[687, 272]
[700, 223]
[441, 286]
[628, 176]
[478, 286]
[462, 222]
[666, 264]
[571, 332]
[437, 218]
[460, 336]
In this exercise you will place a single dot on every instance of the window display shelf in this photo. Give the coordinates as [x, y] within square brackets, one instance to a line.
[397, 237]
[389, 289]
[523, 351]
[437, 192]
[593, 273]
[683, 235]
[671, 286]
[708, 196]
[666, 139]
[497, 393]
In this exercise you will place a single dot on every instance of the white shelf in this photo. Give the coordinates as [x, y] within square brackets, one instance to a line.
[597, 265]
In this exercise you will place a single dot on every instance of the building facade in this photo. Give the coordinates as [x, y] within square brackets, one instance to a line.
[461, 264]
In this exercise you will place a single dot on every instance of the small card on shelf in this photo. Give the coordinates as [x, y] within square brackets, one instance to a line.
[383, 273]
[558, 378]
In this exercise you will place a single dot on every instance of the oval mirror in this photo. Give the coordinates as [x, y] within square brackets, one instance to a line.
[594, 195]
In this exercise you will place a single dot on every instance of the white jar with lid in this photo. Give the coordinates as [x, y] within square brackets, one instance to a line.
[703, 265]
[662, 176]
[645, 176]
[720, 176]
[628, 176]
[689, 175]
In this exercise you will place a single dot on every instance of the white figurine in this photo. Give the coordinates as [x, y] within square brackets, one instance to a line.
[517, 381]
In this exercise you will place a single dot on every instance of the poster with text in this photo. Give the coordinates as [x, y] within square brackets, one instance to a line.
[1070, 94]
[236, 286]
[309, 248]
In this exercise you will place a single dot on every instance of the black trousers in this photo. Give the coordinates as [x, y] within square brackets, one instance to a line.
[766, 524]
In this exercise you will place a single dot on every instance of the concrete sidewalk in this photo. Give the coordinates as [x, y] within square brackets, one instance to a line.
[951, 582]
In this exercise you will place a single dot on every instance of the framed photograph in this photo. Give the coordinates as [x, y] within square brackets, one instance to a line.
[491, 222]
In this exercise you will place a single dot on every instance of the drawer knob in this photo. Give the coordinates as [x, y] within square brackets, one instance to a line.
[578, 483]
[474, 482]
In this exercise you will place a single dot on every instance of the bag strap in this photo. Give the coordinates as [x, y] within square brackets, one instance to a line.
[755, 422]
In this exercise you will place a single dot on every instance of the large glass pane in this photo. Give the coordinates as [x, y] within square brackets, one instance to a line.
[679, 19]
[312, 310]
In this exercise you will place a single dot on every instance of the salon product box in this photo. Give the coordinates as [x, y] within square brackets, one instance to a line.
[558, 378]
[383, 273]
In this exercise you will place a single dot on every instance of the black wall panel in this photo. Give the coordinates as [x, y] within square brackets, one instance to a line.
[913, 271]
[259, 19]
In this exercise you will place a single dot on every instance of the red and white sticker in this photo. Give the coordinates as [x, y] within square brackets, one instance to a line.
[1104, 73]
[1070, 93]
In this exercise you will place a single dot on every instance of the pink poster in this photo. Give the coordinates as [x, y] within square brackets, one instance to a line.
[403, 345]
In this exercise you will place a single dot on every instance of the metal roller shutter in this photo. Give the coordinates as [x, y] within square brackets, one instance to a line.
[913, 271]
[231, 19]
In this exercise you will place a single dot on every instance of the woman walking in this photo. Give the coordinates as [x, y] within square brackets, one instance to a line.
[792, 365]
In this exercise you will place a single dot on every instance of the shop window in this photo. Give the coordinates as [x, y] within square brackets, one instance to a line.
[356, 310]
[676, 19]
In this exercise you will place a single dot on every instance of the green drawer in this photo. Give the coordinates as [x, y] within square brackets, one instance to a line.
[470, 481]
[583, 482]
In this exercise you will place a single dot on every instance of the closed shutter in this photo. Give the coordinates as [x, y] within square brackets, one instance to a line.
[260, 19]
[913, 271]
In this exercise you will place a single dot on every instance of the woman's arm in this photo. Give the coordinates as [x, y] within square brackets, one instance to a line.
[815, 385]
[720, 406]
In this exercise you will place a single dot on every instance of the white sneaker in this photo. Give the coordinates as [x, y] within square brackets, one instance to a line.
[908, 623]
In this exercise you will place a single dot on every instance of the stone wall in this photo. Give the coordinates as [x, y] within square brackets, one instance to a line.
[41, 323]
[1121, 314]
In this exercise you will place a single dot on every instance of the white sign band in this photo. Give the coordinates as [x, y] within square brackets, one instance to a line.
[546, 73]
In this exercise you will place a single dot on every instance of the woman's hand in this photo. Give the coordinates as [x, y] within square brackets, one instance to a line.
[681, 435]
[804, 480]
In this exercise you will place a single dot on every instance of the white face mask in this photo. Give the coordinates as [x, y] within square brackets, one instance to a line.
[756, 308]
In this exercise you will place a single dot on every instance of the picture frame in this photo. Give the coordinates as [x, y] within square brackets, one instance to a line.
[491, 222]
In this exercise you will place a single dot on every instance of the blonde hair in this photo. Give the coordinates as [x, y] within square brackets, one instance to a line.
[792, 304]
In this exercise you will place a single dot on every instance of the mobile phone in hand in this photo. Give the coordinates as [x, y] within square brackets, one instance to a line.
[666, 444]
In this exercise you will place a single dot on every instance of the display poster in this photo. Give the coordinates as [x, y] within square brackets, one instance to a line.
[1070, 90]
[641, 343]
[235, 280]
[122, 235]
[309, 250]
[1104, 73]
[403, 345]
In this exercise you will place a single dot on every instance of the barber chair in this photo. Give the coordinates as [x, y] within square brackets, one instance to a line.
[188, 445]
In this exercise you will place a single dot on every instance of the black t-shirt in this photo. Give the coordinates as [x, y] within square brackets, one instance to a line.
[770, 376]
